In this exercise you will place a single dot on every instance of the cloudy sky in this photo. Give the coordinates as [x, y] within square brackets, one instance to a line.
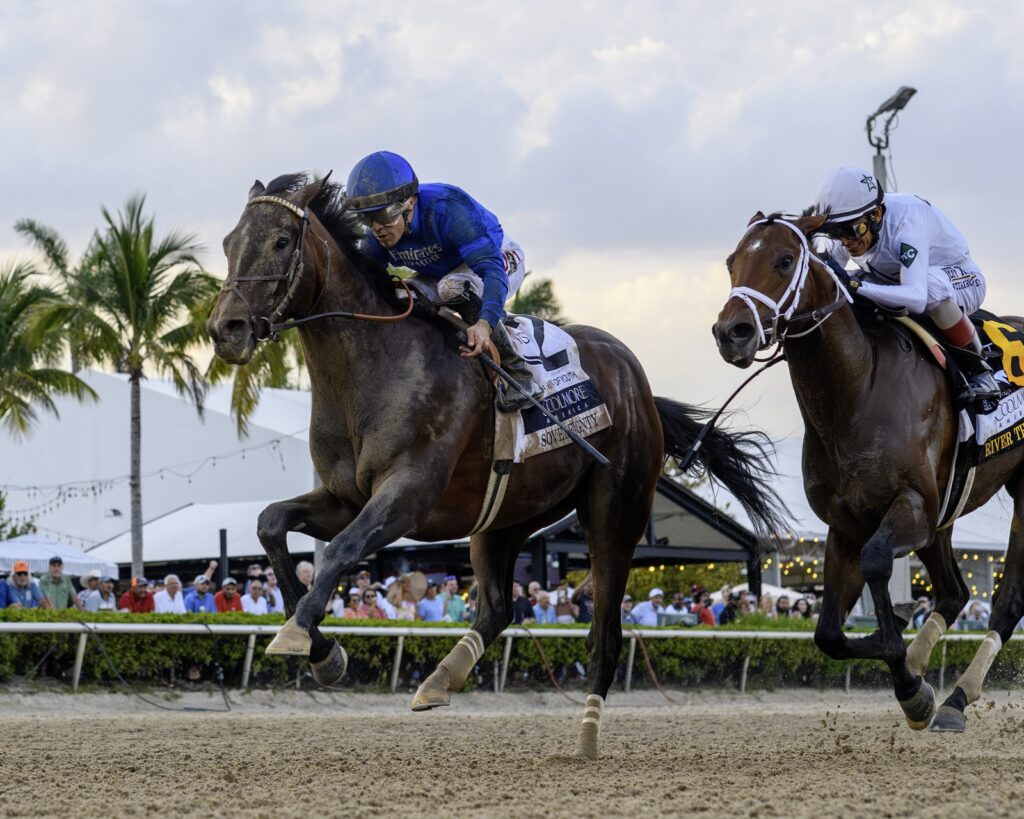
[623, 144]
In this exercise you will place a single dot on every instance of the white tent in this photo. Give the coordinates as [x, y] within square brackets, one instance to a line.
[37, 550]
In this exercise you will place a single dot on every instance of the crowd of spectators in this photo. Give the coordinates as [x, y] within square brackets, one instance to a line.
[699, 607]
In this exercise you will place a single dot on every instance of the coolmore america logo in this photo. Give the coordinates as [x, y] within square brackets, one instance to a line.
[1003, 429]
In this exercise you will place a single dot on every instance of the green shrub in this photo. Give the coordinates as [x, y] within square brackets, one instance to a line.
[158, 660]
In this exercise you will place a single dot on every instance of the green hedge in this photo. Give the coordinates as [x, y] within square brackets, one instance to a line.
[159, 660]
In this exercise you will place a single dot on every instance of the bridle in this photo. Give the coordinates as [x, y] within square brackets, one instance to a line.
[784, 310]
[268, 327]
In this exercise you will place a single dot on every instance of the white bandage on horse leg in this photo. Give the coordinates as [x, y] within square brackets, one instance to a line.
[461, 659]
[920, 650]
[974, 676]
[592, 710]
[590, 728]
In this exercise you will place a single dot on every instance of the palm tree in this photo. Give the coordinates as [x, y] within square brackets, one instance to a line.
[30, 352]
[538, 300]
[139, 304]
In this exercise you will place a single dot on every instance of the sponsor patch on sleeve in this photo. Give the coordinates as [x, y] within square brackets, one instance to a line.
[907, 254]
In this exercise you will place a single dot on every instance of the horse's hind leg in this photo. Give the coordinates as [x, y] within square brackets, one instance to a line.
[493, 555]
[317, 514]
[614, 516]
[1007, 610]
[950, 597]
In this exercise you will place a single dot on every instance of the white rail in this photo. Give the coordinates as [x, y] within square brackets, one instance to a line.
[252, 631]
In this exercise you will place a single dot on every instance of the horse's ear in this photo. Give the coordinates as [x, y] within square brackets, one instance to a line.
[757, 217]
[257, 189]
[811, 223]
[311, 192]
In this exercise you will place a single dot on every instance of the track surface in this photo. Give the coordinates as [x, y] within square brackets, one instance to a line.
[791, 753]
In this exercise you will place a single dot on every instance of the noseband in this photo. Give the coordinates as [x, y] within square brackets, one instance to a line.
[784, 310]
[268, 327]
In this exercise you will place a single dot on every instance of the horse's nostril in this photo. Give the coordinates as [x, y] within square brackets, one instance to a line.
[234, 328]
[741, 332]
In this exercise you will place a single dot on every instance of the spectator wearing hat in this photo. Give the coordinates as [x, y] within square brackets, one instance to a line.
[646, 613]
[227, 599]
[171, 600]
[543, 611]
[522, 611]
[626, 611]
[201, 600]
[102, 598]
[431, 607]
[138, 599]
[89, 582]
[732, 608]
[454, 605]
[253, 601]
[23, 591]
[57, 587]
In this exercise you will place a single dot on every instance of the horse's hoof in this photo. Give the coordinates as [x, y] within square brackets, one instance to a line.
[331, 669]
[291, 639]
[433, 691]
[920, 708]
[949, 719]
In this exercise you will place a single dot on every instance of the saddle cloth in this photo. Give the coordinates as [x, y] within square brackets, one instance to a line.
[568, 393]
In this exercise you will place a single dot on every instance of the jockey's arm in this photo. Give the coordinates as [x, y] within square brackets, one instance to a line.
[912, 291]
[461, 227]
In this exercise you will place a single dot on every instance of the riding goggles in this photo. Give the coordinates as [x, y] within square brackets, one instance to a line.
[385, 216]
[852, 231]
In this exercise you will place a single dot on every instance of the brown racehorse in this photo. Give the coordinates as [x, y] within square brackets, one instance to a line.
[401, 437]
[878, 442]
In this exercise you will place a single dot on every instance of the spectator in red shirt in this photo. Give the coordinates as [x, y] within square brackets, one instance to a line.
[138, 598]
[702, 608]
[227, 598]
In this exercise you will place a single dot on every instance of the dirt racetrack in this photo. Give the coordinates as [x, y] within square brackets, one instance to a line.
[790, 753]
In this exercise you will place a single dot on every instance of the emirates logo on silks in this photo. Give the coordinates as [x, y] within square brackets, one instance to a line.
[907, 254]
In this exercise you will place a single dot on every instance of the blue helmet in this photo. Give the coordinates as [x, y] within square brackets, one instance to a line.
[379, 180]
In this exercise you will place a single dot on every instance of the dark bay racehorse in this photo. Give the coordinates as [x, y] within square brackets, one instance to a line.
[878, 443]
[401, 437]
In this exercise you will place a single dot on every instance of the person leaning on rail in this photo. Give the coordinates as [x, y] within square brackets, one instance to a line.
[911, 257]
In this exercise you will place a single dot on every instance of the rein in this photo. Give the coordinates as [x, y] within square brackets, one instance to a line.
[791, 295]
[268, 327]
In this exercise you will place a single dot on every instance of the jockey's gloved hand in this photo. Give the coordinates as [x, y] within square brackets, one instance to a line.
[477, 339]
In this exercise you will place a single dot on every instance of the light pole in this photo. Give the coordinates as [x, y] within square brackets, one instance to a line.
[888, 109]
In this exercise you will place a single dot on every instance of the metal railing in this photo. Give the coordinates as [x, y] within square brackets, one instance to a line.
[84, 629]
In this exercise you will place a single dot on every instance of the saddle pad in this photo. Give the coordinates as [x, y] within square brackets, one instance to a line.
[569, 394]
[1002, 430]
[1010, 342]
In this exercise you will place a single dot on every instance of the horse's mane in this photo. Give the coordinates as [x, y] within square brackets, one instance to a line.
[331, 207]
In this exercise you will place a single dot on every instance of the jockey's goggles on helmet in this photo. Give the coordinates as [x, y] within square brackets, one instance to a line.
[386, 216]
[851, 231]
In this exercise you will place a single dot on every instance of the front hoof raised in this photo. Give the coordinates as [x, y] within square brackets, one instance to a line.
[433, 691]
[949, 720]
[291, 639]
[920, 708]
[331, 669]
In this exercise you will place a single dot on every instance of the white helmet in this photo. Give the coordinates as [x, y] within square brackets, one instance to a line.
[847, 193]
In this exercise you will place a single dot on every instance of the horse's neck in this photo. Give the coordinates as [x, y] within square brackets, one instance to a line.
[831, 369]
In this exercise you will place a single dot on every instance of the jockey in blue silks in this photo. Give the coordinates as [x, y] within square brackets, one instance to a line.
[449, 239]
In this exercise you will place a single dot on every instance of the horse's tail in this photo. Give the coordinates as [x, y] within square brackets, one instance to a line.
[740, 461]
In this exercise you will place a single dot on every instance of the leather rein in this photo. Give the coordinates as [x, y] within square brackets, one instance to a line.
[268, 327]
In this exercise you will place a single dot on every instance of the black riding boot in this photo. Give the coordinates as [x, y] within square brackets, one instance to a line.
[509, 398]
[978, 373]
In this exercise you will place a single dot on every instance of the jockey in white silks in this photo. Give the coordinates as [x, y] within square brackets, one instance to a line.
[911, 256]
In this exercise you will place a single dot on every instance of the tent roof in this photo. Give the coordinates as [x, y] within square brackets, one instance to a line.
[38, 550]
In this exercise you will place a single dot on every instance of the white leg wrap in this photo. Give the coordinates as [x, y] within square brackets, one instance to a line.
[590, 727]
[592, 710]
[974, 676]
[461, 659]
[920, 649]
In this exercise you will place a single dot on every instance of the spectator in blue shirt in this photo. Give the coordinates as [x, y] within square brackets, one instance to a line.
[200, 599]
[543, 611]
[23, 591]
[431, 607]
[4, 597]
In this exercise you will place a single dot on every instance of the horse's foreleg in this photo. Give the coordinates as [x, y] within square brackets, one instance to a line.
[904, 527]
[1007, 610]
[843, 585]
[320, 515]
[950, 597]
[493, 555]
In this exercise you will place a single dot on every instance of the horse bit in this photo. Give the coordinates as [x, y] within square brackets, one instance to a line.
[268, 327]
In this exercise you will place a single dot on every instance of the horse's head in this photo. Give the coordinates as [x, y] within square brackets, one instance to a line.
[265, 253]
[770, 271]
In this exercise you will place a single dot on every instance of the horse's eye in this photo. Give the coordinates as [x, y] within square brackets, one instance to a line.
[281, 243]
[784, 263]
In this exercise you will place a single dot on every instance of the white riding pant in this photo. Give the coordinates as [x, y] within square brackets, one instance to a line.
[452, 285]
[965, 286]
